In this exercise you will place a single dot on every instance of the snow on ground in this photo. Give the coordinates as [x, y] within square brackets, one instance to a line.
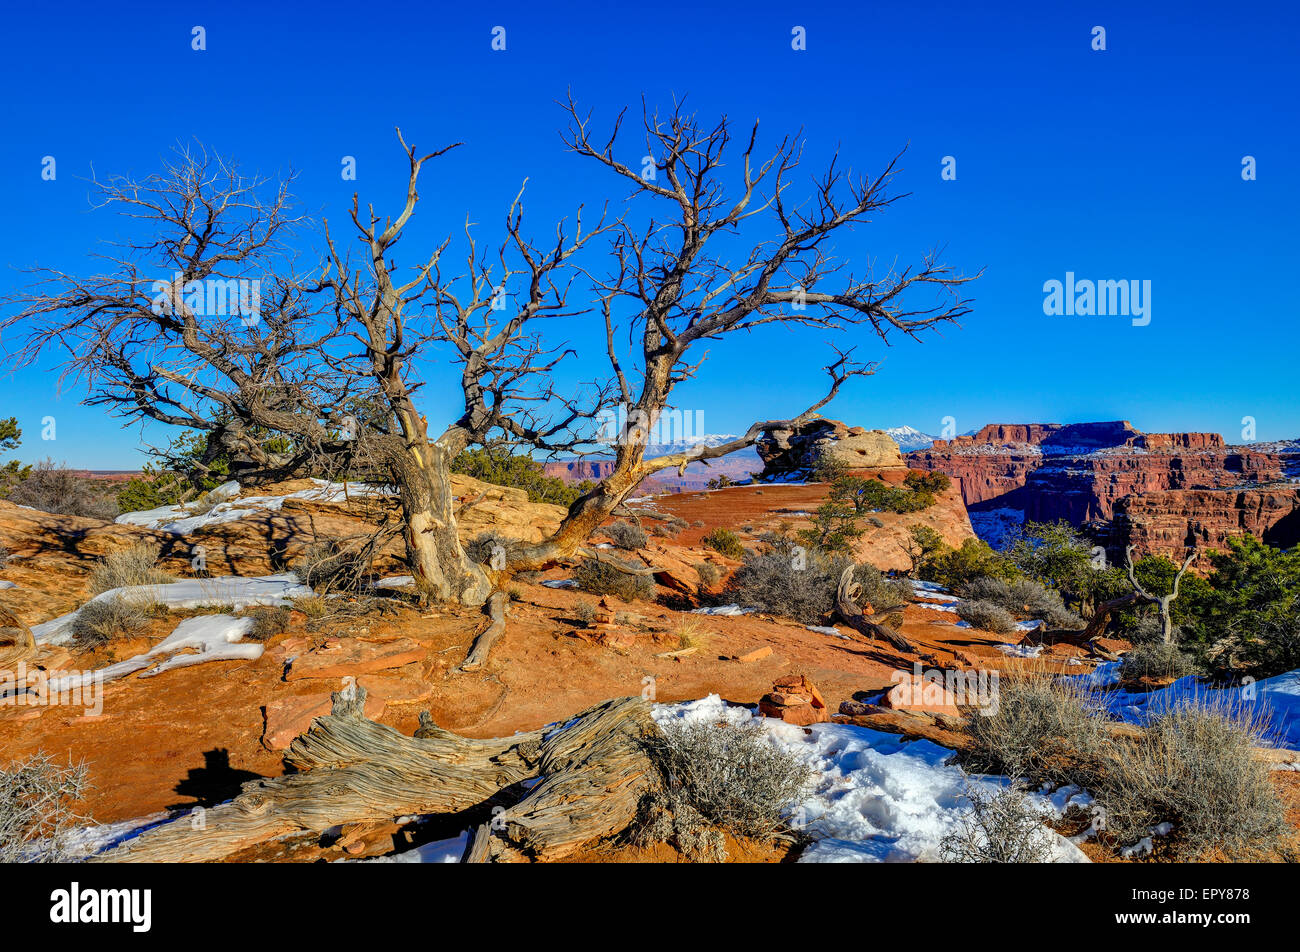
[191, 593]
[875, 797]
[826, 630]
[208, 637]
[1276, 698]
[932, 590]
[6, 585]
[722, 610]
[997, 527]
[394, 581]
[560, 583]
[182, 520]
[439, 851]
[1021, 651]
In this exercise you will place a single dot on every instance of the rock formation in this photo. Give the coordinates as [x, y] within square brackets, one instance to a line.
[790, 453]
[1086, 473]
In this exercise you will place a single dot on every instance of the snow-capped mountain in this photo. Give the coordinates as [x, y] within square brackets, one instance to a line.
[676, 446]
[909, 438]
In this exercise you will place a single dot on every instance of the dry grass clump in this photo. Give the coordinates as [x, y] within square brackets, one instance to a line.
[268, 621]
[99, 622]
[718, 778]
[133, 565]
[1192, 765]
[36, 813]
[335, 565]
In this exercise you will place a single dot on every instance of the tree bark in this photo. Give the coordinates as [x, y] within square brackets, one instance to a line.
[352, 770]
[846, 607]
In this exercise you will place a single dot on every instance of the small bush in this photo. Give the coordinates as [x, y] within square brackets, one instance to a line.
[802, 586]
[268, 621]
[1194, 766]
[1001, 827]
[1023, 598]
[134, 565]
[718, 777]
[585, 612]
[725, 542]
[98, 623]
[1038, 729]
[1157, 660]
[54, 488]
[709, 574]
[36, 814]
[626, 536]
[986, 616]
[601, 578]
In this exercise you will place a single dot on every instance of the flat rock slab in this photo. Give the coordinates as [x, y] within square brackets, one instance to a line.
[352, 656]
[291, 716]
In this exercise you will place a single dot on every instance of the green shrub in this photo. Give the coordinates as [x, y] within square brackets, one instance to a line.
[520, 472]
[973, 559]
[834, 529]
[825, 467]
[725, 542]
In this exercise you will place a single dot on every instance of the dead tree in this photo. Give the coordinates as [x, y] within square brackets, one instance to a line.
[337, 335]
[1162, 602]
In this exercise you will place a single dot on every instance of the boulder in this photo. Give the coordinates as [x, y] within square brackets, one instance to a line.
[914, 693]
[789, 453]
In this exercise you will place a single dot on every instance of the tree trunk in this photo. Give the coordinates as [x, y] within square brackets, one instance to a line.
[846, 607]
[441, 568]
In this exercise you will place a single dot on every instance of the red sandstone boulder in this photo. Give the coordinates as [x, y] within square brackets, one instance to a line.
[921, 694]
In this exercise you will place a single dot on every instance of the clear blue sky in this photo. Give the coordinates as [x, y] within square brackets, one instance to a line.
[1117, 164]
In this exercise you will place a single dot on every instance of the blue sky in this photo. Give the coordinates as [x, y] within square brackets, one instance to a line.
[1120, 164]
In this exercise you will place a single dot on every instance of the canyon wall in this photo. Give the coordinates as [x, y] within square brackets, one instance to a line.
[1084, 472]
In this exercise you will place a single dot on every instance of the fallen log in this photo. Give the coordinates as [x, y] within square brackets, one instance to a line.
[353, 770]
[596, 775]
[846, 606]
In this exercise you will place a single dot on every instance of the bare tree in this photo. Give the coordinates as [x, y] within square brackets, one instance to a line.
[337, 335]
[1163, 603]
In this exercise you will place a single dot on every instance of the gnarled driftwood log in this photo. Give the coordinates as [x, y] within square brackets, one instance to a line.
[846, 606]
[353, 770]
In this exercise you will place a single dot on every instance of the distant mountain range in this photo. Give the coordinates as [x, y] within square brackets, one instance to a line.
[909, 438]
